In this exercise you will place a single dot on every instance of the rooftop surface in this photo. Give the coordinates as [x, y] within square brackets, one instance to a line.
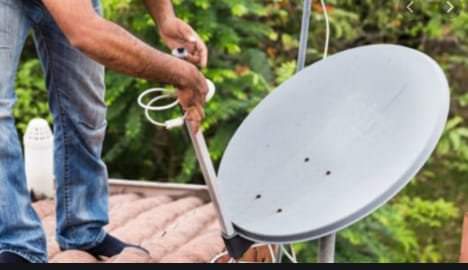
[172, 225]
[464, 241]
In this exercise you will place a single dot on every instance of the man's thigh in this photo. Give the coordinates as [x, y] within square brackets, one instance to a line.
[76, 78]
[76, 87]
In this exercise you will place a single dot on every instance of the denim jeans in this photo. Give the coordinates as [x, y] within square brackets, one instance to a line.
[76, 89]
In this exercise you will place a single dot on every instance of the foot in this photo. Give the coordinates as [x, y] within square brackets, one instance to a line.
[111, 246]
[8, 257]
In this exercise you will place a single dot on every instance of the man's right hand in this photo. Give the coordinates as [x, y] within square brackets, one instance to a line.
[192, 91]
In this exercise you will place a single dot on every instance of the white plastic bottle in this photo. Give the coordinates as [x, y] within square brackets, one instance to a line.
[38, 156]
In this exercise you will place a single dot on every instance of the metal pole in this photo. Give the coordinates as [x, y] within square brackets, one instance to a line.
[279, 254]
[306, 13]
[209, 174]
[207, 167]
[326, 250]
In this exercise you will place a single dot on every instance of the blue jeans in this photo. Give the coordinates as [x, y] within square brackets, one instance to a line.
[76, 99]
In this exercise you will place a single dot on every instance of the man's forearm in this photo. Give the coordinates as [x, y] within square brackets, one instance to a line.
[160, 10]
[112, 46]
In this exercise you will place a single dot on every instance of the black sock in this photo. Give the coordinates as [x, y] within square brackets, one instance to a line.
[110, 247]
[9, 257]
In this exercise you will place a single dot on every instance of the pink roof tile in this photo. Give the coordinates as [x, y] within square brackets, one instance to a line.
[73, 256]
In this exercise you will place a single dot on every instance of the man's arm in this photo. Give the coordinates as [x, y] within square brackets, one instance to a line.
[114, 47]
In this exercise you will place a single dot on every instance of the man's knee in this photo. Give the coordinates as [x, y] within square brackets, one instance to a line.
[6, 108]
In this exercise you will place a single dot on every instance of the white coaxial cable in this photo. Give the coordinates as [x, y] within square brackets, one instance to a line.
[166, 94]
[327, 28]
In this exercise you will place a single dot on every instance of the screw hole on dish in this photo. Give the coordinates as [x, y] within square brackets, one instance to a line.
[328, 173]
[306, 159]
[259, 196]
[279, 210]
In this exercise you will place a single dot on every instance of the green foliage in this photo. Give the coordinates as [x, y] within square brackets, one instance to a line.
[253, 48]
[399, 232]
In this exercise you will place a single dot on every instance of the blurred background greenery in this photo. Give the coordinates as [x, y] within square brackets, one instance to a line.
[253, 47]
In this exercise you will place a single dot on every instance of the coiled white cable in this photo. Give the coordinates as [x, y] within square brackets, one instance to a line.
[181, 53]
[166, 94]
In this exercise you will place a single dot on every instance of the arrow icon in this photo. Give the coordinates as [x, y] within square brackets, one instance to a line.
[450, 7]
[408, 7]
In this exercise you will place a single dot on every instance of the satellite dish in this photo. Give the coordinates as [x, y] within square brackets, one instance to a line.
[333, 143]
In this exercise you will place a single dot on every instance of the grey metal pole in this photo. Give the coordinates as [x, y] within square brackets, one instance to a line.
[326, 250]
[306, 13]
[209, 173]
[279, 254]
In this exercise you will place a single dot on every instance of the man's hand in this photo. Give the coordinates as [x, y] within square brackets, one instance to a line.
[177, 34]
[192, 95]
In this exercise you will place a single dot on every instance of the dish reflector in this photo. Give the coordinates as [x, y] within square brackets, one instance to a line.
[333, 143]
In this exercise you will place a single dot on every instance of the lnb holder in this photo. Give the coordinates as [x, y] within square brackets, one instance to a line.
[180, 53]
[236, 245]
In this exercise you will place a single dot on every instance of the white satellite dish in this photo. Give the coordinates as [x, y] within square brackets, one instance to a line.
[332, 144]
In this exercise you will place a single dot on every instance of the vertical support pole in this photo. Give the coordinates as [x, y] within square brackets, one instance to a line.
[306, 13]
[209, 174]
[326, 250]
[279, 254]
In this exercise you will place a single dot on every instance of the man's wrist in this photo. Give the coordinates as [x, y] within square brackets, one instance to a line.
[163, 19]
[160, 10]
[183, 73]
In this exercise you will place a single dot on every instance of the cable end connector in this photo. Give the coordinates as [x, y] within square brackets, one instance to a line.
[174, 123]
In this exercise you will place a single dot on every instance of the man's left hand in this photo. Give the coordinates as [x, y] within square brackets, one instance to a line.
[175, 33]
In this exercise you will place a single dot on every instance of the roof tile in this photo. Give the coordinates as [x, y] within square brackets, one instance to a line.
[121, 199]
[121, 215]
[74, 256]
[154, 220]
[182, 230]
[201, 249]
[131, 255]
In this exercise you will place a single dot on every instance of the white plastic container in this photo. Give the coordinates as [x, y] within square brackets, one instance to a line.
[38, 156]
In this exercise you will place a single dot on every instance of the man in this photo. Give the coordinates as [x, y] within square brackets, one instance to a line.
[74, 43]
